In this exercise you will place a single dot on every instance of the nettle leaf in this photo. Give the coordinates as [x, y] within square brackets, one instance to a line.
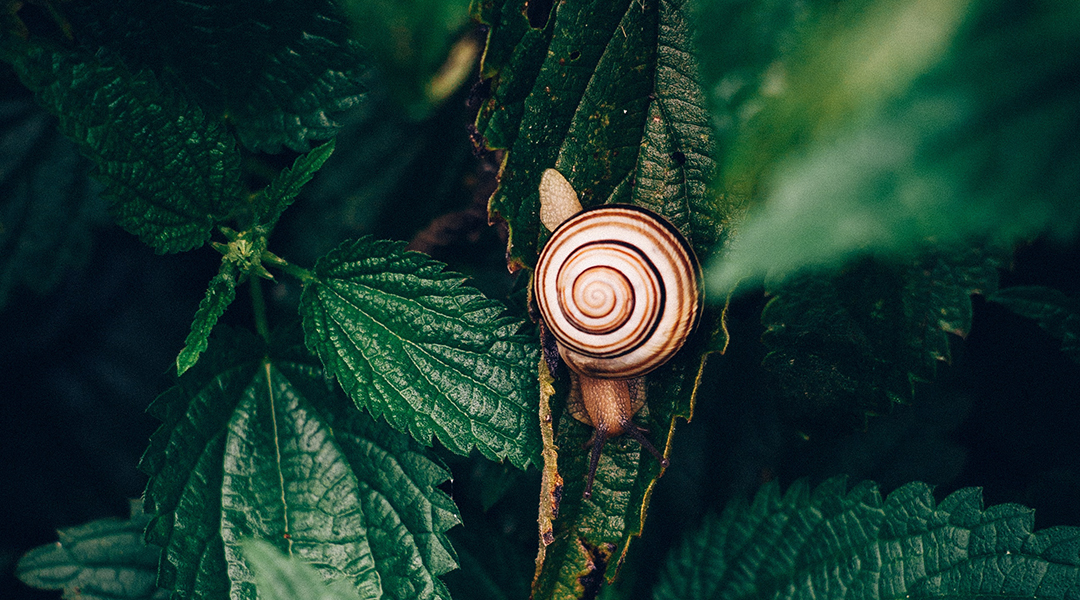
[219, 295]
[49, 205]
[105, 559]
[169, 172]
[272, 201]
[408, 342]
[1052, 310]
[589, 539]
[255, 444]
[279, 577]
[808, 544]
[283, 76]
[880, 125]
[847, 344]
[608, 94]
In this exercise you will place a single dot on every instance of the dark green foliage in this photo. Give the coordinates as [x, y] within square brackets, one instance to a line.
[855, 342]
[827, 542]
[283, 190]
[1056, 313]
[865, 159]
[181, 177]
[607, 94]
[49, 206]
[410, 343]
[282, 74]
[856, 134]
[219, 295]
[254, 443]
[101, 560]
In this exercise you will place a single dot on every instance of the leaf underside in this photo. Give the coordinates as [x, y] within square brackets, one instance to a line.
[279, 577]
[826, 542]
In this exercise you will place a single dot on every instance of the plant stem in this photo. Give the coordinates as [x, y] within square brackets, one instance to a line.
[258, 306]
[304, 275]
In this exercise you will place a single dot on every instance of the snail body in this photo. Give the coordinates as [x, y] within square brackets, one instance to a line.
[618, 288]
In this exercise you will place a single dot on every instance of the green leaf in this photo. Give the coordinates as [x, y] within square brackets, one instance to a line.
[589, 539]
[676, 160]
[409, 342]
[105, 559]
[607, 93]
[254, 443]
[281, 192]
[219, 295]
[279, 577]
[878, 126]
[827, 542]
[1056, 313]
[169, 172]
[848, 344]
[49, 206]
[281, 76]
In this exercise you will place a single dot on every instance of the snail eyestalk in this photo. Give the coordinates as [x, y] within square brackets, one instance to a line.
[600, 438]
[609, 406]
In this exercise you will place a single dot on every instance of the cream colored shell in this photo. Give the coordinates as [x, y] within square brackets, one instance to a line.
[619, 288]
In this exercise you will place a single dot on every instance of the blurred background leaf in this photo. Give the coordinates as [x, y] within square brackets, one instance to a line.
[105, 559]
[883, 126]
[283, 74]
[50, 208]
[420, 47]
[1053, 311]
[848, 344]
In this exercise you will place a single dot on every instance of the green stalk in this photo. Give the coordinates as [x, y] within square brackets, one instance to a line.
[258, 306]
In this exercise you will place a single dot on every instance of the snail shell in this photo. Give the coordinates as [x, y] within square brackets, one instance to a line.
[619, 289]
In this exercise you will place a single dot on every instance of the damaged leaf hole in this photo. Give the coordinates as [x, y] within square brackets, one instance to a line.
[537, 11]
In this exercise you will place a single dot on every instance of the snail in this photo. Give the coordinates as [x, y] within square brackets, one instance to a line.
[619, 289]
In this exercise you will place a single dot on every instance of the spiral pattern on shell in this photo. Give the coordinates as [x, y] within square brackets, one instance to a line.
[619, 288]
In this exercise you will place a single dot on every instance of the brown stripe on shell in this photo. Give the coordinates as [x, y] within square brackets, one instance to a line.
[658, 261]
